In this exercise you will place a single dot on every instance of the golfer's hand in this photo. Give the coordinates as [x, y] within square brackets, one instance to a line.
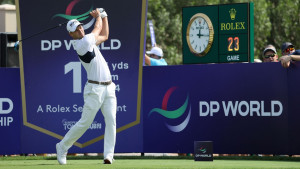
[285, 61]
[95, 13]
[103, 13]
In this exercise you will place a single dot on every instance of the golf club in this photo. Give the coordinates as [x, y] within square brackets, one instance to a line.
[16, 46]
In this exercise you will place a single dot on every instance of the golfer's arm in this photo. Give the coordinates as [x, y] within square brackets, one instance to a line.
[295, 57]
[147, 60]
[103, 36]
[97, 27]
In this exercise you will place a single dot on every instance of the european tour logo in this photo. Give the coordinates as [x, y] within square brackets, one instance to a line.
[174, 114]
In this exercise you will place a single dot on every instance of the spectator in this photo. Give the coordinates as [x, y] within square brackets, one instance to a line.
[155, 57]
[288, 54]
[269, 54]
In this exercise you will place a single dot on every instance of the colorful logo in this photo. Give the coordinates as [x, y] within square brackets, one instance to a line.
[175, 114]
[68, 15]
[203, 150]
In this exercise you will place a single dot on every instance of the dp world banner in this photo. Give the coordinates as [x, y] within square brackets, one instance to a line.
[242, 108]
[10, 111]
[53, 79]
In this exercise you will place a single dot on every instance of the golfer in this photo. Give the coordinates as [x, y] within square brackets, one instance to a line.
[99, 91]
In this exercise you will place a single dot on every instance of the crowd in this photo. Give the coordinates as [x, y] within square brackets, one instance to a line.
[288, 52]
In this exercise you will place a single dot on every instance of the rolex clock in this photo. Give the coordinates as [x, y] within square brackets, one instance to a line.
[200, 34]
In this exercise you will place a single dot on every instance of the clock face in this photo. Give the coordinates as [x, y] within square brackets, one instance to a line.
[200, 34]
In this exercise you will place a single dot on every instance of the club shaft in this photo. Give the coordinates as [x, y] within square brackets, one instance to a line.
[40, 32]
[59, 25]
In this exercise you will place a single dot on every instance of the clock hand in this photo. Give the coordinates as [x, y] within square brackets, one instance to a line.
[203, 34]
[199, 32]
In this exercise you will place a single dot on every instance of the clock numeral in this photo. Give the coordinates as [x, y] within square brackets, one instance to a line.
[193, 42]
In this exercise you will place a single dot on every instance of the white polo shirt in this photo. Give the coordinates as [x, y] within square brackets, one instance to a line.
[92, 59]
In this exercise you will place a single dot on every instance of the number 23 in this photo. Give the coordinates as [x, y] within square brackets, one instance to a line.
[233, 44]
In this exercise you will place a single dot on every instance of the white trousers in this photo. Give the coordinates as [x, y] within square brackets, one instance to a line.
[96, 97]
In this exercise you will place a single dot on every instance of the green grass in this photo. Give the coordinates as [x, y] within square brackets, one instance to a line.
[146, 163]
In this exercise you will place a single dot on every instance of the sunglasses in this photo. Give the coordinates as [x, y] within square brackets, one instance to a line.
[268, 56]
[289, 49]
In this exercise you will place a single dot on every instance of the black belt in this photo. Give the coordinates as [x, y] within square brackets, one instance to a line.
[100, 83]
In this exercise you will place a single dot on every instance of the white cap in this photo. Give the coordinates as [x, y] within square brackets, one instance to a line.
[269, 47]
[156, 51]
[72, 25]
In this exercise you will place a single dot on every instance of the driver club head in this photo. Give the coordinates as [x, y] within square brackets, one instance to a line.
[16, 47]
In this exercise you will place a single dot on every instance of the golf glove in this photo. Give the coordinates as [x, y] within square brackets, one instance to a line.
[103, 14]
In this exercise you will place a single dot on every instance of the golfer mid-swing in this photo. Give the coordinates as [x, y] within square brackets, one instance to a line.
[99, 91]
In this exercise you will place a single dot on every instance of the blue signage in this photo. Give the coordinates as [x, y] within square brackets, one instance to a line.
[239, 112]
[10, 111]
[53, 78]
[242, 108]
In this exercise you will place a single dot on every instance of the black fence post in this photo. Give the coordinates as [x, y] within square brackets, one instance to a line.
[3, 49]
[8, 57]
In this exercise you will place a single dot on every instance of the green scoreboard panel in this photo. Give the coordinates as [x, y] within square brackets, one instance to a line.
[218, 33]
